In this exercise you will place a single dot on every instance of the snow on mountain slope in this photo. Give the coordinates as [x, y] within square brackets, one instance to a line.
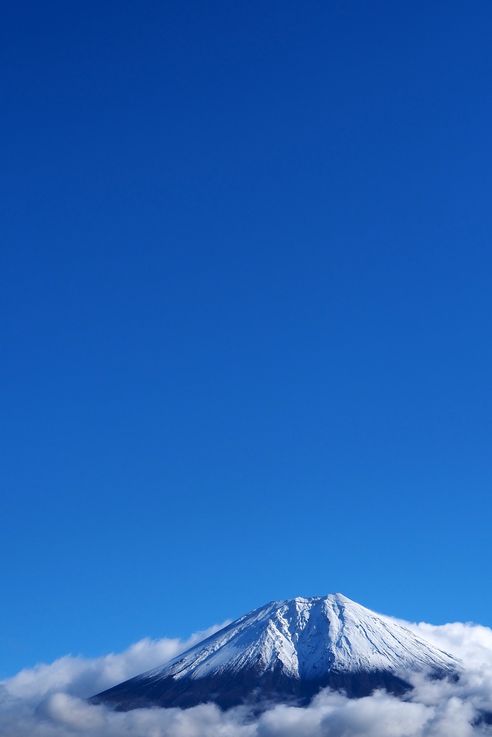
[289, 649]
[307, 637]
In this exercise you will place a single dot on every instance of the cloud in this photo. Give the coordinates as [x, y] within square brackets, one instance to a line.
[83, 677]
[49, 700]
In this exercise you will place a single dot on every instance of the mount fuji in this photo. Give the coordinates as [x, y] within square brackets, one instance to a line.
[286, 651]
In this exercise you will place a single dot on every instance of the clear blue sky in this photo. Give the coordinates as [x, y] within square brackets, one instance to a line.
[245, 314]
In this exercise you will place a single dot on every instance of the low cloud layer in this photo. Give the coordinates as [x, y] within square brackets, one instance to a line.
[84, 677]
[49, 700]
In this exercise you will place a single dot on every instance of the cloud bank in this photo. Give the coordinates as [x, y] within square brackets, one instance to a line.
[49, 700]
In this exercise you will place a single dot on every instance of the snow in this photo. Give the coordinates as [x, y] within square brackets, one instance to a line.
[306, 638]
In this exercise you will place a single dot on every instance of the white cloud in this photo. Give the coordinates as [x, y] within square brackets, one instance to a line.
[86, 676]
[48, 700]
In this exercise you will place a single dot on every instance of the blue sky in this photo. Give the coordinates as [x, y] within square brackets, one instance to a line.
[246, 314]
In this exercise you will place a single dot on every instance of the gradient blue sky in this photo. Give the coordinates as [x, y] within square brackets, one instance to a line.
[245, 314]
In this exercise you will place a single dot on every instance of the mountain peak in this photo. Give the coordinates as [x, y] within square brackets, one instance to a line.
[289, 649]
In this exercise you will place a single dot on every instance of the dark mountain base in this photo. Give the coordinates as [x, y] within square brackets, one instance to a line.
[246, 688]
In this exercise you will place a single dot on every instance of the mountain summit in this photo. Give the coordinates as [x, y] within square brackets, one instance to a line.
[286, 651]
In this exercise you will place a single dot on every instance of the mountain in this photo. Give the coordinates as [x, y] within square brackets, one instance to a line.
[286, 651]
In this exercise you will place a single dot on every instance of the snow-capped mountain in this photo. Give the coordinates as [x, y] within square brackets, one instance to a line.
[288, 651]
